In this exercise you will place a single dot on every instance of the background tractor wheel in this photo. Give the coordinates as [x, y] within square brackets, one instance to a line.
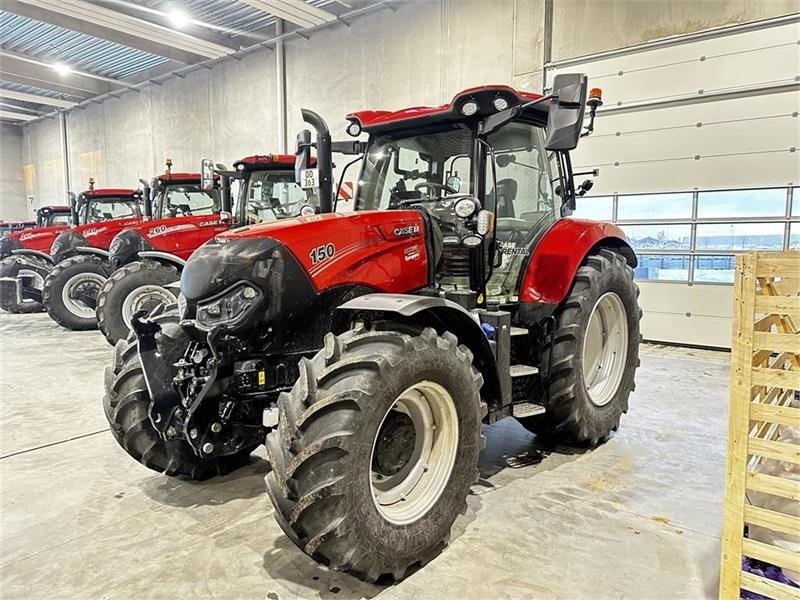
[34, 270]
[71, 288]
[590, 360]
[376, 448]
[126, 403]
[134, 287]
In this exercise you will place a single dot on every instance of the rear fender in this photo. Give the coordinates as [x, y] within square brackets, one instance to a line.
[163, 257]
[443, 315]
[35, 253]
[555, 261]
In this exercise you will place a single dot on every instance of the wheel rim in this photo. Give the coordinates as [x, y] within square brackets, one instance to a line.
[145, 297]
[78, 289]
[605, 349]
[413, 453]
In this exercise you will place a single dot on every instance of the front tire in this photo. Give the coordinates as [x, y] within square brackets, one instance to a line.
[126, 405]
[71, 288]
[590, 360]
[136, 286]
[360, 479]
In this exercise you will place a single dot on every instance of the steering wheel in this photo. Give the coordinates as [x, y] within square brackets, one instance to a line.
[433, 184]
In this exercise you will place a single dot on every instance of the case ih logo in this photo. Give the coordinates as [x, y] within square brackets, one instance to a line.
[406, 230]
[208, 223]
[92, 231]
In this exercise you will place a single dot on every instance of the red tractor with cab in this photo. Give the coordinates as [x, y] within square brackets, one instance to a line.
[367, 349]
[25, 259]
[148, 257]
[83, 255]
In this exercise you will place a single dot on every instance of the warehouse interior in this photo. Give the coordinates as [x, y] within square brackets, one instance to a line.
[692, 158]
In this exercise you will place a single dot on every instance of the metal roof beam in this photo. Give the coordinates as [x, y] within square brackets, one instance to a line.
[295, 11]
[119, 27]
[9, 114]
[22, 69]
[35, 98]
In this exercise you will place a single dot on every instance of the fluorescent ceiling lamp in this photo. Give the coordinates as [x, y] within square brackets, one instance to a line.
[62, 69]
[178, 18]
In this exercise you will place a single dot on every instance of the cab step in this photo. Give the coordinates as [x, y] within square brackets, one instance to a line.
[523, 370]
[515, 331]
[528, 409]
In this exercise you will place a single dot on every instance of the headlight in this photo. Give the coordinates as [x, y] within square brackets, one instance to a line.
[465, 208]
[230, 309]
[181, 306]
[116, 245]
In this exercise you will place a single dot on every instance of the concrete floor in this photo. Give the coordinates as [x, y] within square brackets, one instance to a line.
[638, 518]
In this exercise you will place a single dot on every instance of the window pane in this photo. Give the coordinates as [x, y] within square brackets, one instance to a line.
[794, 236]
[655, 206]
[740, 236]
[599, 208]
[660, 237]
[796, 202]
[742, 203]
[654, 267]
[714, 269]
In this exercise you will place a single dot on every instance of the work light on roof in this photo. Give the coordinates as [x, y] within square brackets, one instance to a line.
[469, 108]
[500, 103]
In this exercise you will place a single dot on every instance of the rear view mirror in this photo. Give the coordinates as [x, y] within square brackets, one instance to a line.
[565, 118]
[207, 174]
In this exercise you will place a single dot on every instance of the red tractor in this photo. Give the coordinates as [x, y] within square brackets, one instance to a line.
[367, 349]
[151, 255]
[82, 254]
[25, 261]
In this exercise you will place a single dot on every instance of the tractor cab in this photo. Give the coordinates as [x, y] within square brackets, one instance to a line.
[268, 191]
[490, 173]
[49, 216]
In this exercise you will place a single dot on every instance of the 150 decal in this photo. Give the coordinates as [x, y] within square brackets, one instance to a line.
[321, 253]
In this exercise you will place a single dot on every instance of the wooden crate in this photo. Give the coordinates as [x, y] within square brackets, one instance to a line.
[765, 376]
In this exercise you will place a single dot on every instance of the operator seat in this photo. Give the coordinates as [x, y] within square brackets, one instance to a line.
[504, 210]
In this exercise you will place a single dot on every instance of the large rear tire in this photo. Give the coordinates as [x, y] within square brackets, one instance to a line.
[136, 286]
[376, 449]
[589, 362]
[71, 288]
[126, 405]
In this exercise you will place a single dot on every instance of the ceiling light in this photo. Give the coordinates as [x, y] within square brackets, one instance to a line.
[62, 69]
[178, 18]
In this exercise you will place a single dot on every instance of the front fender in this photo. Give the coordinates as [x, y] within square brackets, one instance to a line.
[555, 261]
[443, 315]
[163, 257]
[27, 251]
[92, 250]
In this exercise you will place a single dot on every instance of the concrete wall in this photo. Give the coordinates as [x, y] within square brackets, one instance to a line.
[422, 53]
[12, 186]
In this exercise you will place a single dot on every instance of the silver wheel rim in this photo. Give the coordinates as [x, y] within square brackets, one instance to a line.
[605, 349]
[73, 305]
[407, 495]
[141, 297]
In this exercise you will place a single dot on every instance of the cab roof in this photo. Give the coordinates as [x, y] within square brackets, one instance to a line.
[186, 177]
[54, 208]
[377, 121]
[103, 192]
[275, 161]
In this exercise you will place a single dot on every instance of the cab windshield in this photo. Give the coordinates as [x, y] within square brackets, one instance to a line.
[105, 209]
[273, 195]
[189, 199]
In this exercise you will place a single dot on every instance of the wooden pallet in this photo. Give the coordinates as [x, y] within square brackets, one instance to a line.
[765, 376]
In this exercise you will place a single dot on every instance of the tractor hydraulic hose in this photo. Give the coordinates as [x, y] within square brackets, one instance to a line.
[324, 158]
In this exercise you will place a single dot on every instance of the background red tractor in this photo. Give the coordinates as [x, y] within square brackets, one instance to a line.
[26, 260]
[150, 256]
[83, 255]
[458, 293]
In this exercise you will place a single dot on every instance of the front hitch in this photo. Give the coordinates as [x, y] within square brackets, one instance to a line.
[164, 398]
